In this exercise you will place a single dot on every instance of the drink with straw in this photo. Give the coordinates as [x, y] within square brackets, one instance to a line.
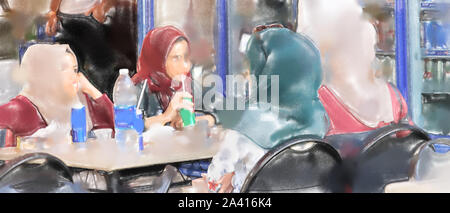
[187, 116]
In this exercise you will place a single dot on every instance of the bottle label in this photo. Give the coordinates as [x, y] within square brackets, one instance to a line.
[78, 120]
[187, 116]
[124, 116]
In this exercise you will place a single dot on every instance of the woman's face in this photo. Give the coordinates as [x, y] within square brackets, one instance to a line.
[69, 75]
[178, 62]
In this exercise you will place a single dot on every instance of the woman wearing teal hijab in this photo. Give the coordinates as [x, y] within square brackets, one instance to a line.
[273, 51]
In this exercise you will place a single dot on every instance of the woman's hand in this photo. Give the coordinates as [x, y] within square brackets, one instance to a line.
[177, 123]
[52, 23]
[87, 87]
[99, 10]
[211, 120]
[176, 104]
[227, 187]
[224, 183]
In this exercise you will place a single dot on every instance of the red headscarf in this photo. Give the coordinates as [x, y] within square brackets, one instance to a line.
[151, 63]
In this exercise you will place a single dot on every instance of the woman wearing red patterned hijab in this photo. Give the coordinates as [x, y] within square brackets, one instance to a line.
[164, 62]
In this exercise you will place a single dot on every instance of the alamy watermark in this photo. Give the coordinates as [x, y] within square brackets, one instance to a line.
[242, 93]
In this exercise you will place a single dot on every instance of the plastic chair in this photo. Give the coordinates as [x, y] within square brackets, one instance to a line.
[301, 165]
[432, 161]
[18, 175]
[387, 159]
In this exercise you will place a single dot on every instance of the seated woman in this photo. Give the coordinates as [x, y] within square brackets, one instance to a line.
[273, 51]
[356, 100]
[164, 62]
[52, 85]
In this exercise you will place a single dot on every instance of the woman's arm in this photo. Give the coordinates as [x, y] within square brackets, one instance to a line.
[54, 5]
[99, 11]
[171, 114]
[87, 87]
[52, 17]
[178, 123]
[211, 119]
[101, 109]
[157, 119]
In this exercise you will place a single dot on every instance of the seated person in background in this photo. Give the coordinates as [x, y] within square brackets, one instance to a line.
[101, 33]
[274, 51]
[356, 100]
[52, 85]
[164, 62]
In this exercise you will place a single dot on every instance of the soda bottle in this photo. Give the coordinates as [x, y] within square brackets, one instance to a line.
[78, 122]
[187, 116]
[428, 43]
[428, 76]
[447, 76]
[125, 98]
[440, 75]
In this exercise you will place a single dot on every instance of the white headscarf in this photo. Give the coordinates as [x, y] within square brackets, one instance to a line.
[41, 71]
[347, 45]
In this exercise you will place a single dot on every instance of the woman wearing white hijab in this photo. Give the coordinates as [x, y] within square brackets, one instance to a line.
[356, 100]
[52, 85]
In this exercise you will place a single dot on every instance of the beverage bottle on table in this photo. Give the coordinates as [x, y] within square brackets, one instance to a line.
[187, 116]
[78, 123]
[125, 98]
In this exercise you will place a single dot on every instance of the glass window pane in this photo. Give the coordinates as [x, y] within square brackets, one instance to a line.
[197, 19]
[435, 43]
[244, 15]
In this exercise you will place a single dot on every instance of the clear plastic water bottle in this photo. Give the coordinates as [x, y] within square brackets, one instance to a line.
[125, 98]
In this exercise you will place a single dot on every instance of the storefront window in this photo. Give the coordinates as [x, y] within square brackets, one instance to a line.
[197, 19]
[244, 15]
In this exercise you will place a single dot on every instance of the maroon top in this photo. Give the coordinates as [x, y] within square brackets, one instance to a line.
[21, 117]
[101, 111]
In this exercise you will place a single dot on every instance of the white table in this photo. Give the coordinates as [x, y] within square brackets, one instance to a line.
[428, 186]
[105, 154]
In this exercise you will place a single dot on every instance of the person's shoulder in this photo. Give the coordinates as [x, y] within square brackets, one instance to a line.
[21, 116]
[19, 105]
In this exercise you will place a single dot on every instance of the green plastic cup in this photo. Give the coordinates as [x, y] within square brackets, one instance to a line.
[187, 116]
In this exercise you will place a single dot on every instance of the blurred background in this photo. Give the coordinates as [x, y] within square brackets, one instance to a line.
[219, 31]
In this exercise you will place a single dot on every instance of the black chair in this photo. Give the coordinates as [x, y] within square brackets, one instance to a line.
[156, 179]
[431, 160]
[20, 176]
[386, 158]
[301, 165]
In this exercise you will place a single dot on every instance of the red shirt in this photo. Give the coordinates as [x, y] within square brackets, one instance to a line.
[342, 121]
[20, 117]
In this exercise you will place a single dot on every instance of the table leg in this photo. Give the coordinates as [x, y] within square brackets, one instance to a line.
[112, 181]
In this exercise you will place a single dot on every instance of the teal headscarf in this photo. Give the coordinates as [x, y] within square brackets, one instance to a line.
[296, 60]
